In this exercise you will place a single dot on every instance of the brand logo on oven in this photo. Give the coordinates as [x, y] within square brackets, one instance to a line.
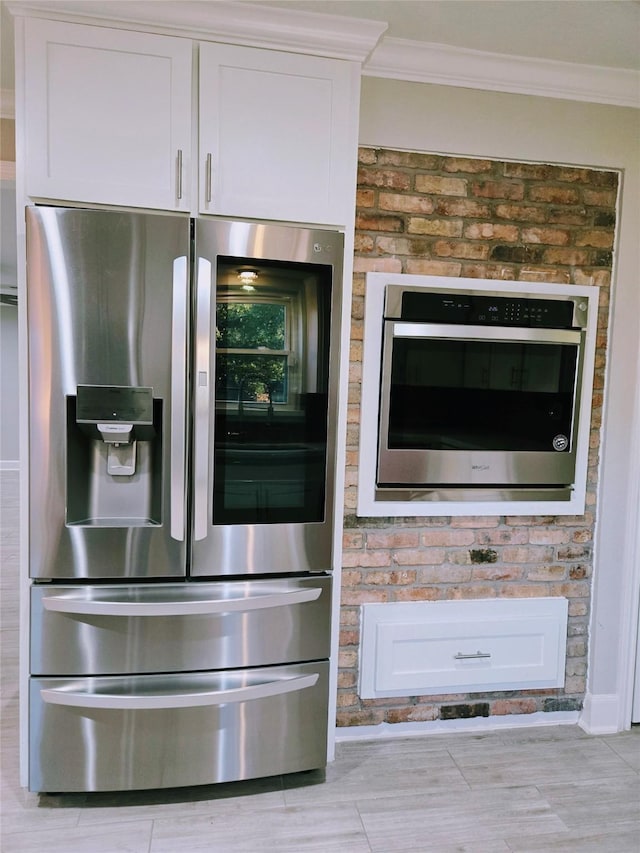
[480, 467]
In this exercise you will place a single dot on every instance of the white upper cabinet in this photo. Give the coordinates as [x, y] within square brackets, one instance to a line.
[107, 115]
[277, 134]
[108, 119]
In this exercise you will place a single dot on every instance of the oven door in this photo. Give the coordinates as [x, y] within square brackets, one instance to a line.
[478, 406]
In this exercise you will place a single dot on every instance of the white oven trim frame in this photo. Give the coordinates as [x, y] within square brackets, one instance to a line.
[367, 504]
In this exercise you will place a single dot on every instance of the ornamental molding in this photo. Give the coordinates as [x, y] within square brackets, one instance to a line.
[355, 39]
[444, 65]
[334, 36]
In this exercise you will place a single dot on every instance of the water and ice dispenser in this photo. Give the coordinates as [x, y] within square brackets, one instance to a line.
[114, 456]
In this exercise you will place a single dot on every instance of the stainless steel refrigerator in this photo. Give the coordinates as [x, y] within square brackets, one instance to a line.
[182, 395]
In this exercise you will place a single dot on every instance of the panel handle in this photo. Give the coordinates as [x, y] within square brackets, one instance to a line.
[178, 398]
[179, 174]
[193, 698]
[472, 656]
[208, 178]
[74, 604]
[202, 405]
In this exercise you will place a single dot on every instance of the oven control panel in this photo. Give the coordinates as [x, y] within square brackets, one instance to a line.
[460, 308]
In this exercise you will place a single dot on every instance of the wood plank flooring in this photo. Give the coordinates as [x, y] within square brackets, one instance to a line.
[520, 790]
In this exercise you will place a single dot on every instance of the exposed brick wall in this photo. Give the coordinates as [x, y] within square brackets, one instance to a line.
[430, 214]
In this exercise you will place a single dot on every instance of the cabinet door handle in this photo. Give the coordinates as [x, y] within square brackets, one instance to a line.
[207, 189]
[472, 656]
[179, 173]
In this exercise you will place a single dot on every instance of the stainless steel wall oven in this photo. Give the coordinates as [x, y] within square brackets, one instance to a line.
[480, 393]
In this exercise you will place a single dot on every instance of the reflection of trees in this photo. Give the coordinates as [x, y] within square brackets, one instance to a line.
[247, 377]
[251, 376]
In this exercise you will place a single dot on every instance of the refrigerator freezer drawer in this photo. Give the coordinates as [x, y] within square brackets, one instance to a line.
[163, 731]
[112, 630]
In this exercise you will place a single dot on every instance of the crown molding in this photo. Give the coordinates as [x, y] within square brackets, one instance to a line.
[334, 36]
[424, 62]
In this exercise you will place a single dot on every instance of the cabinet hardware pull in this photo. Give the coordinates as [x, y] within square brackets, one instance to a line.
[179, 173]
[208, 179]
[462, 656]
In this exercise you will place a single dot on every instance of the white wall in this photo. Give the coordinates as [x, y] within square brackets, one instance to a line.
[9, 436]
[425, 117]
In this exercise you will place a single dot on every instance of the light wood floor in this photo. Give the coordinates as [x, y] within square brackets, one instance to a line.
[536, 789]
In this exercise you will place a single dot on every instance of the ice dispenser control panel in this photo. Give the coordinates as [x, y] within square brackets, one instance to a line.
[114, 404]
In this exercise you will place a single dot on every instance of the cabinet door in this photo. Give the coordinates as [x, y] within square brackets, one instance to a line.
[108, 115]
[277, 134]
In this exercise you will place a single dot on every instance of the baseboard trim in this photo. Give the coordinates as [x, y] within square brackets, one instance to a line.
[475, 724]
[601, 714]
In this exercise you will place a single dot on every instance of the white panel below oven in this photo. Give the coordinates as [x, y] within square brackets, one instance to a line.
[439, 647]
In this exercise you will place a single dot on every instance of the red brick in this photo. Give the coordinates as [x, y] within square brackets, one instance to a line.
[598, 239]
[438, 185]
[436, 227]
[460, 249]
[371, 177]
[365, 198]
[393, 539]
[464, 164]
[427, 267]
[553, 236]
[409, 159]
[406, 203]
[501, 707]
[498, 189]
[375, 222]
[521, 213]
[428, 557]
[491, 231]
[412, 714]
[600, 198]
[465, 207]
[554, 195]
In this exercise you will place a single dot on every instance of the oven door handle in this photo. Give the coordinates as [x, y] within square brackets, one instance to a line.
[78, 606]
[484, 333]
[187, 698]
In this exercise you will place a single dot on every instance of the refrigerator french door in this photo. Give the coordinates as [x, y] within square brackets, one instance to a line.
[183, 393]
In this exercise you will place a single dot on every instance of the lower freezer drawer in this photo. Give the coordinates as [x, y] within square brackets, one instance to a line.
[163, 731]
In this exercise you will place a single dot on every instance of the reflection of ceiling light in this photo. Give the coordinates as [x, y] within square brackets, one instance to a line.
[248, 287]
[247, 276]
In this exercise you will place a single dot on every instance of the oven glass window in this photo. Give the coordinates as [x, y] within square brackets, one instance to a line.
[272, 364]
[476, 395]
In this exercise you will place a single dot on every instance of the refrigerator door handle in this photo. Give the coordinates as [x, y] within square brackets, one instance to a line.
[76, 605]
[194, 698]
[178, 397]
[202, 400]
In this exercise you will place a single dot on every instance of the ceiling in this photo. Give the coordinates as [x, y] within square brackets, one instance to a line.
[593, 32]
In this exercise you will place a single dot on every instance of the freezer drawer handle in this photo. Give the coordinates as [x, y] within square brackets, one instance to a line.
[193, 699]
[93, 607]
